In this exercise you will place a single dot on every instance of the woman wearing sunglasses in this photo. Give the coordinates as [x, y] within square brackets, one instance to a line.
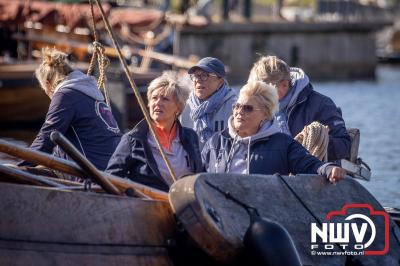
[253, 144]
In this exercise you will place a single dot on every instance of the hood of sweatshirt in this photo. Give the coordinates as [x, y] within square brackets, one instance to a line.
[267, 129]
[299, 80]
[238, 158]
[78, 81]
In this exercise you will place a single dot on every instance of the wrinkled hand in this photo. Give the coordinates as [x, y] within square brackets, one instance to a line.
[336, 174]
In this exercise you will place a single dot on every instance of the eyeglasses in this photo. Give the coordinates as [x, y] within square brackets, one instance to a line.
[247, 108]
[203, 76]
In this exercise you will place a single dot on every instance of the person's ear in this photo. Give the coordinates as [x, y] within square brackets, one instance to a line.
[286, 84]
[48, 88]
[48, 84]
[179, 112]
[261, 123]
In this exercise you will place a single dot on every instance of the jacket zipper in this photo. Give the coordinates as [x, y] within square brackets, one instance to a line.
[292, 108]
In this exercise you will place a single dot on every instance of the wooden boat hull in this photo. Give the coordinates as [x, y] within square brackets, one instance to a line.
[218, 225]
[55, 227]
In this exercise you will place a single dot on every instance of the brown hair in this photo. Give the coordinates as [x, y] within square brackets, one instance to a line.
[54, 68]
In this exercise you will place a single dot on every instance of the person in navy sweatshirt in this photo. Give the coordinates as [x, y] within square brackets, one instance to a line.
[77, 110]
[300, 104]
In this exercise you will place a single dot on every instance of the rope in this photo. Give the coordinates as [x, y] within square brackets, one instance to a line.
[93, 20]
[102, 61]
[94, 55]
[315, 138]
[135, 90]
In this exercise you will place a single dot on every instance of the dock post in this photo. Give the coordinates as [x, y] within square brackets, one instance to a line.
[225, 9]
[247, 9]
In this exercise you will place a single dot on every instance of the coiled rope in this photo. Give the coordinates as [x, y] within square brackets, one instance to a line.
[315, 138]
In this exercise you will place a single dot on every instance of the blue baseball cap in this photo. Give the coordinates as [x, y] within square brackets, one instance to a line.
[210, 65]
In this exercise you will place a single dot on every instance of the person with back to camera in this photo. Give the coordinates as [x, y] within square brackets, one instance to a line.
[77, 110]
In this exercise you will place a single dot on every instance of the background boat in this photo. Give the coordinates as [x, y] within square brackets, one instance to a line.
[27, 27]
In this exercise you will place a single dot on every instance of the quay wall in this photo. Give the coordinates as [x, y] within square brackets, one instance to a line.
[326, 51]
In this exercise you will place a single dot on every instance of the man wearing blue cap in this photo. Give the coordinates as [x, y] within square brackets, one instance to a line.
[210, 103]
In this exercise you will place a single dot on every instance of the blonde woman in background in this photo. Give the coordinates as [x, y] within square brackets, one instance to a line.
[77, 110]
[300, 104]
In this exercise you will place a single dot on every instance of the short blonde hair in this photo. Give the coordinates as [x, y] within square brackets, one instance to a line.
[270, 69]
[265, 94]
[172, 86]
[54, 68]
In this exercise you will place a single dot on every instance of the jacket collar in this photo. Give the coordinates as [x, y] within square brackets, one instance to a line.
[227, 137]
[141, 129]
[139, 133]
[304, 94]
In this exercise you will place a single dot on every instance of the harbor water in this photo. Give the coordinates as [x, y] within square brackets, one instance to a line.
[371, 106]
[374, 108]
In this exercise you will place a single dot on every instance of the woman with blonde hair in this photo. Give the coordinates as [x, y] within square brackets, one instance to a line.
[77, 110]
[137, 155]
[300, 104]
[253, 144]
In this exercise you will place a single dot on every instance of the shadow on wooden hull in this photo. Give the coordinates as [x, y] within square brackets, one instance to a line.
[54, 227]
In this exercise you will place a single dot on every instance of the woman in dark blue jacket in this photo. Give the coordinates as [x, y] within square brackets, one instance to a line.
[300, 105]
[77, 110]
[137, 156]
[253, 144]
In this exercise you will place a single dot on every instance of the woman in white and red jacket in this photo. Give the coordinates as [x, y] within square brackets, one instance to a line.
[137, 156]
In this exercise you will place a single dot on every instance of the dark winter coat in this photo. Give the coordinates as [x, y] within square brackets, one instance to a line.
[133, 158]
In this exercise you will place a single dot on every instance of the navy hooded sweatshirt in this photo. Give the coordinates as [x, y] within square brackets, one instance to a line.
[77, 110]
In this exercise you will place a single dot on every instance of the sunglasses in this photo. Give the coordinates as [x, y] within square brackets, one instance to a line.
[202, 76]
[247, 108]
